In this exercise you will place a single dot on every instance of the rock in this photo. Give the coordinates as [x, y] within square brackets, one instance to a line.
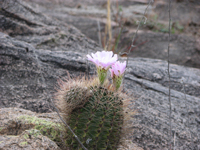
[185, 12]
[151, 122]
[129, 145]
[29, 53]
[28, 24]
[21, 73]
[86, 16]
[28, 140]
[183, 47]
[40, 53]
[19, 130]
[185, 26]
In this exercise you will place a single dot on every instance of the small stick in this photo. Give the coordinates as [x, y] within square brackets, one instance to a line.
[168, 61]
[99, 32]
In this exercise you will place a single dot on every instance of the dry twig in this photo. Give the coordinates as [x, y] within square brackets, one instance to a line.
[168, 61]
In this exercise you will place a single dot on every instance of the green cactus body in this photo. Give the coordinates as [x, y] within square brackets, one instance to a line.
[97, 120]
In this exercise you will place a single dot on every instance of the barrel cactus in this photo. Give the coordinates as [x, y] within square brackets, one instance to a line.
[94, 112]
[94, 108]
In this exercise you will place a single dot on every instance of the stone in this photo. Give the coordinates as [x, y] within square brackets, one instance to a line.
[150, 44]
[151, 127]
[28, 140]
[18, 130]
[185, 26]
[30, 49]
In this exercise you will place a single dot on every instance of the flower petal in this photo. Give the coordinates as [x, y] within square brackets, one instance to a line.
[119, 68]
[103, 59]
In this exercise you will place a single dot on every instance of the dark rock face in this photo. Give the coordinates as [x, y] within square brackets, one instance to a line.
[183, 11]
[52, 48]
[21, 67]
[147, 81]
[42, 48]
[183, 49]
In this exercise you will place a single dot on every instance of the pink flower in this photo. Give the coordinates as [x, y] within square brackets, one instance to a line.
[103, 59]
[118, 69]
[117, 73]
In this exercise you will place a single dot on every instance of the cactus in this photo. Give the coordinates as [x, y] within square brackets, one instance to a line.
[93, 111]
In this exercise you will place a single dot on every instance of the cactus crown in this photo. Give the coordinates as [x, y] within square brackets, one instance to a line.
[94, 112]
